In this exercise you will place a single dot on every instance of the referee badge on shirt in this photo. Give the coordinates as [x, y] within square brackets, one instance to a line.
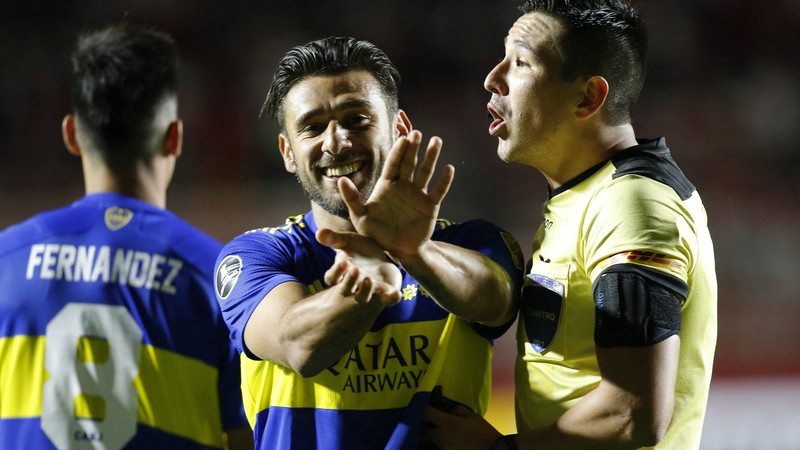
[542, 299]
[227, 275]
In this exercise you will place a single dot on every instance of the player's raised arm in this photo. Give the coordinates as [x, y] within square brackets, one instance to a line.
[400, 216]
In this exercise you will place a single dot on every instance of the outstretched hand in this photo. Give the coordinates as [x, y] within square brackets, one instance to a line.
[401, 212]
[361, 269]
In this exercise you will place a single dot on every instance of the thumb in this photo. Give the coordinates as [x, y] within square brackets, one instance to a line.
[330, 238]
[351, 197]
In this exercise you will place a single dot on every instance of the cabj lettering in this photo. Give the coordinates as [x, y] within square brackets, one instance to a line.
[81, 435]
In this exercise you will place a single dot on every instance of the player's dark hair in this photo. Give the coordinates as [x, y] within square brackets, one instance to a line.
[328, 56]
[121, 74]
[602, 37]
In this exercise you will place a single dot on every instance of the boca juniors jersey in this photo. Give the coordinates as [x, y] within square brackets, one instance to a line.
[110, 336]
[374, 397]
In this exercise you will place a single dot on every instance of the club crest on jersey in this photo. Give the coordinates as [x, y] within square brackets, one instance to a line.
[117, 217]
[227, 275]
[540, 307]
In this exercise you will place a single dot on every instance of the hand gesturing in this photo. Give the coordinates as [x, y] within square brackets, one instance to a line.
[361, 269]
[401, 213]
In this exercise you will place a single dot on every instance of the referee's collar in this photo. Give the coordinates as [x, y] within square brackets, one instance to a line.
[577, 180]
[658, 145]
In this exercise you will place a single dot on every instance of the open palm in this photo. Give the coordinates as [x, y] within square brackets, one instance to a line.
[401, 213]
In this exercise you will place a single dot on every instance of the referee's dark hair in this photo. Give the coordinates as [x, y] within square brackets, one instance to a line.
[606, 38]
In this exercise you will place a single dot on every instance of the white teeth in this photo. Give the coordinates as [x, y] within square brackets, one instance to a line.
[342, 170]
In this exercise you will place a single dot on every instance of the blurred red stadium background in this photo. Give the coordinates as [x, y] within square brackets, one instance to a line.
[722, 87]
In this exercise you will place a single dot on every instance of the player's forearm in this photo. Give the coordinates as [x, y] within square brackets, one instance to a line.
[312, 333]
[591, 426]
[323, 329]
[464, 282]
[605, 433]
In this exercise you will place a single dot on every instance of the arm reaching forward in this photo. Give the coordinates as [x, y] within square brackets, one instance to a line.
[309, 332]
[400, 216]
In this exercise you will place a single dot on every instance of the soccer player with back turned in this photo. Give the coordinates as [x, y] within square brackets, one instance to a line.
[110, 336]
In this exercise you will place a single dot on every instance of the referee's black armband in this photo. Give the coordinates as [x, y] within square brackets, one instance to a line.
[633, 310]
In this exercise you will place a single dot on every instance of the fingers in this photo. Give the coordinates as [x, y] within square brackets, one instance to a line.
[443, 185]
[336, 272]
[426, 169]
[351, 197]
[402, 159]
[362, 292]
[425, 172]
[350, 280]
[360, 268]
[402, 163]
[391, 167]
[336, 239]
[362, 288]
[409, 162]
[388, 294]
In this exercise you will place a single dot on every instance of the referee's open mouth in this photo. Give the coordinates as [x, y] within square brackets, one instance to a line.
[498, 126]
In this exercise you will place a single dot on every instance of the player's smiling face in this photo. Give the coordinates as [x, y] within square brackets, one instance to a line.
[336, 126]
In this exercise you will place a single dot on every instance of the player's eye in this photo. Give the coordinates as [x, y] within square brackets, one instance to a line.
[357, 120]
[312, 129]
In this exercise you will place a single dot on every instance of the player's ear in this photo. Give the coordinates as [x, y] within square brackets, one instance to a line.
[402, 124]
[595, 92]
[174, 139]
[286, 151]
[68, 134]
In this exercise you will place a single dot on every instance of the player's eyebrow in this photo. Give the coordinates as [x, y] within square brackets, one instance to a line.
[353, 103]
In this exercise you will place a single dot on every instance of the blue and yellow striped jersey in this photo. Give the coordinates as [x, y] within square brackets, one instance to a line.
[374, 397]
[110, 336]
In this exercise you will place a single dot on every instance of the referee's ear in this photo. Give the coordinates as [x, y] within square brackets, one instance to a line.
[594, 95]
[68, 134]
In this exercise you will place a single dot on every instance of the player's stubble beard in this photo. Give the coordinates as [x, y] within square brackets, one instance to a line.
[334, 203]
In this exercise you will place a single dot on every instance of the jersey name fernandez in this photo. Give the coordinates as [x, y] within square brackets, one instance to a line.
[81, 263]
